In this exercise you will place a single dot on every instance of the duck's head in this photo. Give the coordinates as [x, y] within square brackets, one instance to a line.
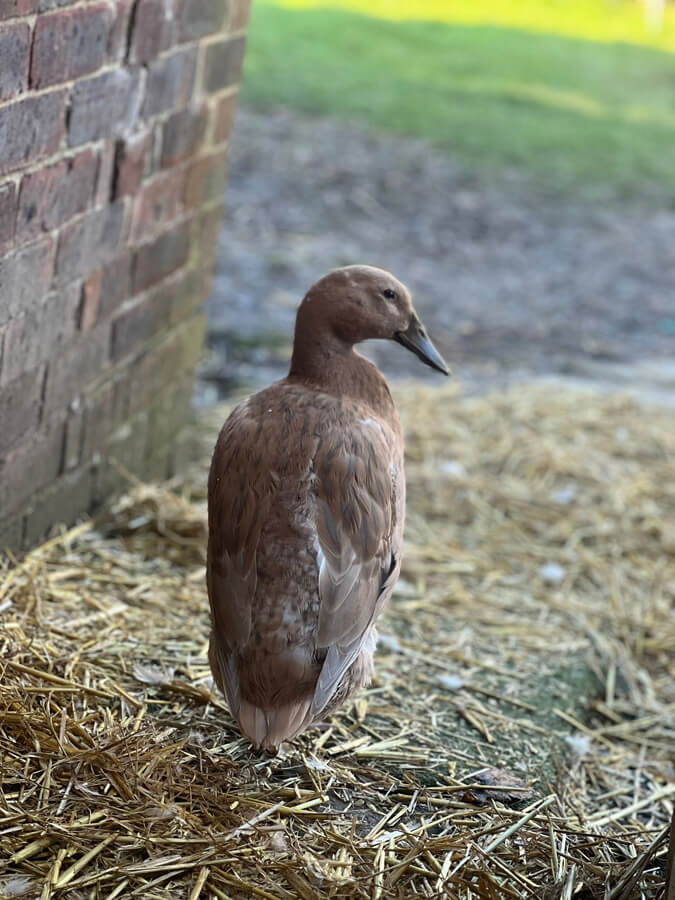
[359, 303]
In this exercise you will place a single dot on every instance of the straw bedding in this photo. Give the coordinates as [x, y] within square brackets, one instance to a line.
[518, 740]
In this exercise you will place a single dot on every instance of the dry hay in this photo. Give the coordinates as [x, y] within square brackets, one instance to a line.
[532, 633]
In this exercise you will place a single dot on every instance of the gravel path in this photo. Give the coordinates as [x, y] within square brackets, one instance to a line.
[510, 283]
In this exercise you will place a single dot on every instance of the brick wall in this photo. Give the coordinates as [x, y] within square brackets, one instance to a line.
[114, 121]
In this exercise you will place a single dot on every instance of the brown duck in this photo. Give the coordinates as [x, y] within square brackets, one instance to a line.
[306, 510]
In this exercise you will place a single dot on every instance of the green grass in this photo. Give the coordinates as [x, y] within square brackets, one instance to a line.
[570, 111]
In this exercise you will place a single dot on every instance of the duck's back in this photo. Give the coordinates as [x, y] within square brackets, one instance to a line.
[306, 505]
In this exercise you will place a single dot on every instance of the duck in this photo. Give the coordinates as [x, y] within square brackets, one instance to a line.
[306, 509]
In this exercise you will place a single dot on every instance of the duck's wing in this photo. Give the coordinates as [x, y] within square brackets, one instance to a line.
[360, 501]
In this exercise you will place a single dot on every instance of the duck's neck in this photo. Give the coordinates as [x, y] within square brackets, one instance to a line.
[332, 366]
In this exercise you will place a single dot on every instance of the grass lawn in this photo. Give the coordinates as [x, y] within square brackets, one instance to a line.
[576, 93]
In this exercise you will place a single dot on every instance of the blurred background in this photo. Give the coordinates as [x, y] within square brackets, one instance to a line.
[511, 161]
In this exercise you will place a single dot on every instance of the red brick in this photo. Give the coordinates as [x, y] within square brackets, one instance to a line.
[76, 368]
[224, 118]
[88, 242]
[39, 333]
[224, 60]
[70, 44]
[55, 194]
[239, 14]
[11, 8]
[62, 503]
[104, 106]
[132, 162]
[170, 82]
[153, 30]
[29, 466]
[182, 135]
[20, 403]
[205, 181]
[25, 276]
[15, 56]
[158, 259]
[31, 129]
[91, 300]
[201, 17]
[7, 215]
[115, 284]
[159, 202]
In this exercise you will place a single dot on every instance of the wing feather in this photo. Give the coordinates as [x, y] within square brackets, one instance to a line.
[359, 529]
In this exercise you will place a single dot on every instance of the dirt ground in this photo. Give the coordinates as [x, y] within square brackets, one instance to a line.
[511, 282]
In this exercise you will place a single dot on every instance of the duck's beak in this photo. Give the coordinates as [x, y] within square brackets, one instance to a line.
[416, 339]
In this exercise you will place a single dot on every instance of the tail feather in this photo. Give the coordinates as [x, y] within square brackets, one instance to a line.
[267, 728]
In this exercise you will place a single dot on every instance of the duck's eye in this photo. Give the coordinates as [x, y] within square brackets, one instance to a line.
[389, 294]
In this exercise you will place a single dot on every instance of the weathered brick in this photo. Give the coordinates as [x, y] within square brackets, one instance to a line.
[88, 242]
[164, 361]
[62, 503]
[205, 181]
[207, 227]
[24, 277]
[69, 44]
[164, 255]
[90, 302]
[172, 301]
[140, 321]
[240, 10]
[39, 333]
[105, 174]
[183, 451]
[99, 419]
[11, 8]
[11, 534]
[48, 5]
[117, 41]
[168, 413]
[104, 105]
[153, 30]
[53, 195]
[73, 438]
[20, 403]
[182, 135]
[75, 369]
[8, 204]
[29, 466]
[201, 17]
[115, 284]
[185, 295]
[158, 203]
[224, 118]
[170, 82]
[30, 129]
[224, 60]
[127, 447]
[15, 56]
[132, 162]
